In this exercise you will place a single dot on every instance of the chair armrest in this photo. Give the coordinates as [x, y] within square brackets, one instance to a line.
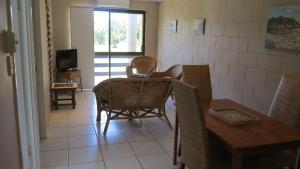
[151, 70]
[159, 74]
[129, 71]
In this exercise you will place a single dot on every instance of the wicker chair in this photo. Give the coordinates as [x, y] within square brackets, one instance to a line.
[132, 98]
[143, 64]
[198, 76]
[197, 150]
[285, 108]
[174, 71]
[286, 104]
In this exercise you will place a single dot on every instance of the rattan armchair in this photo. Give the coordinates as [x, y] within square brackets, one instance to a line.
[144, 65]
[174, 72]
[132, 98]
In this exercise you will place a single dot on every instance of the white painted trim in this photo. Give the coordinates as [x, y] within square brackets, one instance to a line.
[26, 84]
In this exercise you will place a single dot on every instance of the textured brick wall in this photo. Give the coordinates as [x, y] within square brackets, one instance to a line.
[233, 46]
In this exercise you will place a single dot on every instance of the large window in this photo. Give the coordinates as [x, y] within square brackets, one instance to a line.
[118, 36]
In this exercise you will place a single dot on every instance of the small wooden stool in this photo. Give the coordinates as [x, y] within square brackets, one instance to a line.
[59, 88]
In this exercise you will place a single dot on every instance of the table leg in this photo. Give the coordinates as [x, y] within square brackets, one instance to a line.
[237, 160]
[73, 98]
[297, 159]
[175, 141]
[55, 100]
[80, 83]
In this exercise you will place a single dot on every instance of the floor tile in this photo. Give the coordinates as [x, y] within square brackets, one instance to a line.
[88, 165]
[138, 135]
[80, 121]
[115, 151]
[147, 147]
[81, 130]
[57, 132]
[83, 141]
[167, 143]
[156, 161]
[57, 167]
[86, 154]
[155, 123]
[59, 114]
[161, 133]
[54, 144]
[58, 123]
[123, 163]
[54, 158]
[112, 138]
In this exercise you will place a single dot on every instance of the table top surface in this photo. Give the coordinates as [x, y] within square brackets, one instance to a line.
[266, 132]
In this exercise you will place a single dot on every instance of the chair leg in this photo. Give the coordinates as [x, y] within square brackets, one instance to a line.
[98, 119]
[182, 165]
[166, 117]
[107, 124]
[179, 149]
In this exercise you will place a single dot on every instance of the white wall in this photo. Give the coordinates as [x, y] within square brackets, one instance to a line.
[61, 24]
[82, 33]
[42, 65]
[233, 45]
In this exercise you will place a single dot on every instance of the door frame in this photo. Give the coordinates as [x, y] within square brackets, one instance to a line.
[25, 76]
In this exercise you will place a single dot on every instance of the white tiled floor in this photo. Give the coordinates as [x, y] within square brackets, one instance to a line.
[75, 140]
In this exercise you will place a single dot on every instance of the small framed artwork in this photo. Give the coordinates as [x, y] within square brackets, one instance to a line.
[199, 26]
[283, 28]
[173, 26]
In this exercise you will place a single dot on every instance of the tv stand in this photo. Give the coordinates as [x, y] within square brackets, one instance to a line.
[69, 75]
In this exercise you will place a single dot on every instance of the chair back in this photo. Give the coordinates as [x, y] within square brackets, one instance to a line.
[174, 72]
[134, 93]
[144, 64]
[193, 132]
[286, 103]
[199, 77]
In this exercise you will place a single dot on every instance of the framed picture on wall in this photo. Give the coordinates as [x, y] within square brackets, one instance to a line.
[173, 26]
[283, 28]
[199, 26]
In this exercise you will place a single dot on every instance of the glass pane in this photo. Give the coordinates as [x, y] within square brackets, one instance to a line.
[126, 32]
[101, 26]
[101, 68]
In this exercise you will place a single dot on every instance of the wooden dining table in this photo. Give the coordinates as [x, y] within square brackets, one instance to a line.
[266, 136]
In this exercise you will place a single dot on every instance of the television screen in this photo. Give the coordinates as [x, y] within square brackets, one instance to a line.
[66, 59]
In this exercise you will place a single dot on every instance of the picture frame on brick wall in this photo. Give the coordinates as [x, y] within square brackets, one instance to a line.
[283, 28]
[173, 26]
[199, 26]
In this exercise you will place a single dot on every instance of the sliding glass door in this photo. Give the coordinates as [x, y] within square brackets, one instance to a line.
[119, 35]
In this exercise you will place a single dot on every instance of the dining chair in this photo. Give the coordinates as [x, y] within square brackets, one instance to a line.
[144, 65]
[197, 150]
[286, 103]
[198, 76]
[285, 108]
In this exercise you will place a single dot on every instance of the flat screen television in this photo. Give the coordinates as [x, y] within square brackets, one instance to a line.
[66, 59]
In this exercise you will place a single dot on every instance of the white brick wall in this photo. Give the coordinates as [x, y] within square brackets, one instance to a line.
[233, 45]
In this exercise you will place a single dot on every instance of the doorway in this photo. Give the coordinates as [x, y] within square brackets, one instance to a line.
[119, 35]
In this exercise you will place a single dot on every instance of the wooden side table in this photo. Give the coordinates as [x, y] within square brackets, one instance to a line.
[70, 76]
[59, 88]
